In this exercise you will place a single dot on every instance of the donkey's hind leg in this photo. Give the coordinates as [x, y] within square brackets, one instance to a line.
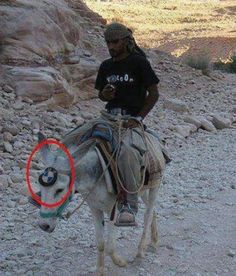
[154, 231]
[111, 246]
[99, 231]
[148, 218]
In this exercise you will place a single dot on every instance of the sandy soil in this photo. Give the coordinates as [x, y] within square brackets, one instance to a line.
[182, 28]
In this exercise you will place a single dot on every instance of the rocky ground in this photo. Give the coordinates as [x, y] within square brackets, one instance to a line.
[196, 204]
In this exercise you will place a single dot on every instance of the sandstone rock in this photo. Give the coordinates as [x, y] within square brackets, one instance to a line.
[8, 137]
[28, 100]
[183, 130]
[18, 105]
[13, 129]
[220, 123]
[82, 76]
[62, 39]
[231, 253]
[11, 204]
[41, 84]
[207, 125]
[192, 120]
[23, 201]
[8, 147]
[176, 105]
[16, 178]
[26, 122]
[7, 88]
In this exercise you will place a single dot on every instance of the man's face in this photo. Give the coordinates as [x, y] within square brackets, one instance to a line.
[116, 47]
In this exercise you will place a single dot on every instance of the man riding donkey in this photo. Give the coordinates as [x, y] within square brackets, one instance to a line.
[128, 84]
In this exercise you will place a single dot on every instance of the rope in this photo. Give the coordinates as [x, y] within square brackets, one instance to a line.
[146, 159]
[117, 148]
[70, 213]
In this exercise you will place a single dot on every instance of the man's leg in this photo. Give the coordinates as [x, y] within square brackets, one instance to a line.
[129, 166]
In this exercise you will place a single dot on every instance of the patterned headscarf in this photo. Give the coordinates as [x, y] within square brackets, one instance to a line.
[118, 31]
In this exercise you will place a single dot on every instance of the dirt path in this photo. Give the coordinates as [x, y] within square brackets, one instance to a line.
[197, 223]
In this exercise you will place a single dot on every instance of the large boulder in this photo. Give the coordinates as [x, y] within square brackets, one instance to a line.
[206, 124]
[193, 120]
[39, 39]
[220, 122]
[40, 84]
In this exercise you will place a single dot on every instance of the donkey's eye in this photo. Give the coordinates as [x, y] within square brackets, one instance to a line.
[58, 191]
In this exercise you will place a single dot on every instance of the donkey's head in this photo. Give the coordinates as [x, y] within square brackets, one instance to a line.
[54, 184]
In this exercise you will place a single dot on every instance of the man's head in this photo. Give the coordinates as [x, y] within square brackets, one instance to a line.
[117, 37]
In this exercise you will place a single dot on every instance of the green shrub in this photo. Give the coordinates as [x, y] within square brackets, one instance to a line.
[200, 62]
[229, 66]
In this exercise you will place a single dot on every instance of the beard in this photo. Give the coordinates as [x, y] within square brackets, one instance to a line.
[113, 53]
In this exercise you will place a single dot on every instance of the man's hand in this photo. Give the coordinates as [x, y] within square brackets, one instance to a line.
[108, 92]
[131, 123]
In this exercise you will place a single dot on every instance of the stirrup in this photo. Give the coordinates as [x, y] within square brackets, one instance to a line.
[33, 201]
[125, 209]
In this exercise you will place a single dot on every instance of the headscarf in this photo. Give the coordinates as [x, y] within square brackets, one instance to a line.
[118, 31]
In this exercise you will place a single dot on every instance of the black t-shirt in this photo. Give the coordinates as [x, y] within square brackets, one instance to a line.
[131, 77]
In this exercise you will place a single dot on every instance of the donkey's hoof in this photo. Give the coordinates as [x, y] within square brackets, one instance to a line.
[152, 247]
[119, 261]
[140, 255]
[100, 272]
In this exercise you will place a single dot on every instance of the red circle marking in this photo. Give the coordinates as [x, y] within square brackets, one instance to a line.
[72, 181]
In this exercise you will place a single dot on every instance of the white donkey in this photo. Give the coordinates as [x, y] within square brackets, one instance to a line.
[100, 202]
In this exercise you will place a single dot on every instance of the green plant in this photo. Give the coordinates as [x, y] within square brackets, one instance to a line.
[200, 62]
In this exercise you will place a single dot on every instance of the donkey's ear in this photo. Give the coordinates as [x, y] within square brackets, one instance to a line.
[46, 154]
[41, 137]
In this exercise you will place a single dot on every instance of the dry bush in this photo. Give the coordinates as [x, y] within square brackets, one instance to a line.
[201, 62]
[229, 66]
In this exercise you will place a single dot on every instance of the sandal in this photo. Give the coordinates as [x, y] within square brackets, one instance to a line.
[126, 217]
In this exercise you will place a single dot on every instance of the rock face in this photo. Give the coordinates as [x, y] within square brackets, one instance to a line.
[45, 46]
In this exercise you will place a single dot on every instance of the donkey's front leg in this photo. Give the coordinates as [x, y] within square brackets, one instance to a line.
[148, 217]
[111, 246]
[99, 231]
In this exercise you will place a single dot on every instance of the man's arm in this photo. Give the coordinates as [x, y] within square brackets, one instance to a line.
[150, 100]
[108, 93]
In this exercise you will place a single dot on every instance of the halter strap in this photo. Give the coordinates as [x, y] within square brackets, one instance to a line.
[58, 212]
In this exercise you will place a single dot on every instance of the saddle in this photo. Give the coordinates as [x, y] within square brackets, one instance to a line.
[154, 167]
[106, 136]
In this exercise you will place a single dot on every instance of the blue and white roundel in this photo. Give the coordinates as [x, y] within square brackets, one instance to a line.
[48, 177]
